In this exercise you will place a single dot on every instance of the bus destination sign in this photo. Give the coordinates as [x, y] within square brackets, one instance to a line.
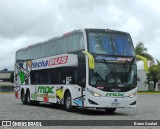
[113, 59]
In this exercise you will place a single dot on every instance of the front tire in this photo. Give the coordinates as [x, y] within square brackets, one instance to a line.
[110, 110]
[68, 102]
[29, 101]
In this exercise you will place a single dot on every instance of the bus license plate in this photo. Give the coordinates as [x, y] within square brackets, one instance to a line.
[115, 104]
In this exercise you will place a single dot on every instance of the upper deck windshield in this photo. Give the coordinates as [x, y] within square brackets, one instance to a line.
[110, 44]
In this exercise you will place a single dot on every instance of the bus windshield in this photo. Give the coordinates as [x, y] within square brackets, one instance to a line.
[110, 44]
[113, 75]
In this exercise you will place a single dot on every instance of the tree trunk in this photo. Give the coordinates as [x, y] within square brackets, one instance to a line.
[155, 84]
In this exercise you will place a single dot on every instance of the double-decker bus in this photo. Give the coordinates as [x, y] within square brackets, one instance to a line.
[88, 68]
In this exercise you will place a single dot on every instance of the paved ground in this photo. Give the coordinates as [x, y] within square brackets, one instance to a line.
[148, 108]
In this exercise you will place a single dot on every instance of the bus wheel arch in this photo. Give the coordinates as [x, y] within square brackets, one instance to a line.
[68, 100]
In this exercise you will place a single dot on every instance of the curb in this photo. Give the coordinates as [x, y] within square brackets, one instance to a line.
[149, 93]
[7, 92]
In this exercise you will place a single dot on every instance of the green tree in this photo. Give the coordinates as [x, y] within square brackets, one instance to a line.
[158, 62]
[141, 50]
[153, 74]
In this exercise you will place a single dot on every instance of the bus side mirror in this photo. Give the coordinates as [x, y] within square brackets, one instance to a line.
[144, 60]
[91, 59]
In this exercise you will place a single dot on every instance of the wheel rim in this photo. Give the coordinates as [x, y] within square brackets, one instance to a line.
[68, 101]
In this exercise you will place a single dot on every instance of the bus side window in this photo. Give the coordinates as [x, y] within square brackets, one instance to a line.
[34, 77]
[81, 42]
[37, 52]
[52, 48]
[54, 77]
[67, 75]
[44, 50]
[73, 43]
[61, 46]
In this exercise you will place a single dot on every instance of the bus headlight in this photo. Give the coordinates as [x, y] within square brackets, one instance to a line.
[132, 95]
[94, 93]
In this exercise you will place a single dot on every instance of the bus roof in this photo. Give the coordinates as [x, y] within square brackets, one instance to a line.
[56, 37]
[106, 30]
[72, 32]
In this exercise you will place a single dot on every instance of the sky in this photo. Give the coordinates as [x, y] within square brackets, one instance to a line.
[26, 22]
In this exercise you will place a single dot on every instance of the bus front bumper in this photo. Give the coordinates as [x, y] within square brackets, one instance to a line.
[110, 102]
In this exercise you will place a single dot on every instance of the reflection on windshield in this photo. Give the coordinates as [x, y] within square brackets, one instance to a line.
[111, 44]
[100, 43]
[113, 75]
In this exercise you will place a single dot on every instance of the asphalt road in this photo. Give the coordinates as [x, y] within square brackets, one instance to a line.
[148, 108]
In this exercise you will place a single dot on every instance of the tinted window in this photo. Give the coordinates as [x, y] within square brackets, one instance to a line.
[20, 55]
[52, 48]
[44, 50]
[37, 51]
[56, 76]
[111, 44]
[73, 42]
[62, 46]
[29, 53]
[123, 45]
[81, 41]
[48, 76]
[100, 43]
[34, 77]
[68, 75]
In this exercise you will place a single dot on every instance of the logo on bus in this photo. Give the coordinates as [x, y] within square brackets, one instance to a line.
[58, 60]
[45, 89]
[50, 62]
[40, 64]
[114, 94]
[112, 59]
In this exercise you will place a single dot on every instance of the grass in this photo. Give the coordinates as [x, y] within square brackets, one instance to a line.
[148, 92]
[7, 92]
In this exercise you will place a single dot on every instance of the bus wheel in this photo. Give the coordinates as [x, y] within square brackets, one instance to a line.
[68, 102]
[110, 110]
[29, 101]
[23, 98]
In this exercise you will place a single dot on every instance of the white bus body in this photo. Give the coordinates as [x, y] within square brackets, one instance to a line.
[66, 82]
